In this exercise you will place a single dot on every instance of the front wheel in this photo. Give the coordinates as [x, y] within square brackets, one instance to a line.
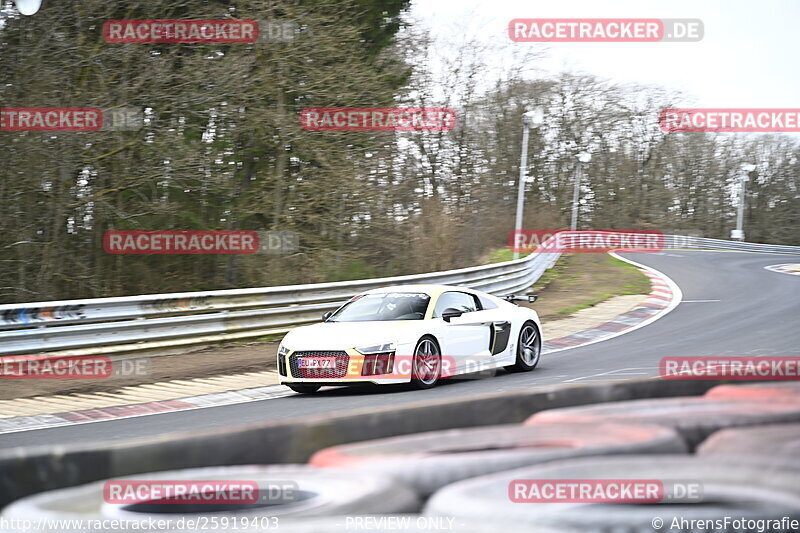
[303, 388]
[529, 349]
[427, 364]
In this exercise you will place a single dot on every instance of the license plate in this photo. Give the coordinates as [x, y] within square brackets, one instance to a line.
[317, 362]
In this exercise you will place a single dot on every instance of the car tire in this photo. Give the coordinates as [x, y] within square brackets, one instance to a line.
[429, 461]
[318, 492]
[529, 349]
[778, 392]
[426, 351]
[747, 489]
[774, 441]
[694, 417]
[302, 388]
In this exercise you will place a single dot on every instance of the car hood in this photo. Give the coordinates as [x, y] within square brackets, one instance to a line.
[343, 335]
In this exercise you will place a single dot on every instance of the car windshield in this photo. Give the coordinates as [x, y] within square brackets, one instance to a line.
[383, 306]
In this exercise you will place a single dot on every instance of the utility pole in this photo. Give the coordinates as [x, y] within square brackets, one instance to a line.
[738, 233]
[530, 118]
[583, 157]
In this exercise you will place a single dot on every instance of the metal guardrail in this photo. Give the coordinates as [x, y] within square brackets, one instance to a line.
[681, 241]
[159, 321]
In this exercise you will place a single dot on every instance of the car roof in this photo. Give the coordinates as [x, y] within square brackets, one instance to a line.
[430, 289]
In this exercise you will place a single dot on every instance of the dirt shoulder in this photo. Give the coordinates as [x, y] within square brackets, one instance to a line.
[227, 359]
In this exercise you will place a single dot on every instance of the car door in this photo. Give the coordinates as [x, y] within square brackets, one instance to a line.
[465, 341]
[500, 342]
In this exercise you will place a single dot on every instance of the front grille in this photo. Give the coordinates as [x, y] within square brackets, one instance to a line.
[342, 360]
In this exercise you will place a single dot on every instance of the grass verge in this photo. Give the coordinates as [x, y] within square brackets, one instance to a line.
[582, 280]
[502, 255]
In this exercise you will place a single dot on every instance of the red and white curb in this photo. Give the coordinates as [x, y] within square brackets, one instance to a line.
[793, 269]
[28, 423]
[664, 296]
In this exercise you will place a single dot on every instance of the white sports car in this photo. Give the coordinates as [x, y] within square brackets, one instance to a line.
[414, 334]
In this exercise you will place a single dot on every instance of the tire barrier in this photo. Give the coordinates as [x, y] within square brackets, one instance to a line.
[694, 418]
[771, 441]
[780, 391]
[429, 461]
[283, 491]
[757, 490]
[34, 469]
[414, 523]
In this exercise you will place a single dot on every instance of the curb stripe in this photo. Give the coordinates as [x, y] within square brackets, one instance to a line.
[664, 296]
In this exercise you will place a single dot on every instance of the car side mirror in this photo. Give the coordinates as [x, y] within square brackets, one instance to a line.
[451, 313]
[326, 316]
[532, 298]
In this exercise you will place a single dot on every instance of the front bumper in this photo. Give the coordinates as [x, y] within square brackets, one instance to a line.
[348, 371]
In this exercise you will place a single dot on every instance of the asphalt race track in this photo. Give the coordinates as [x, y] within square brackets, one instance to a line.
[731, 306]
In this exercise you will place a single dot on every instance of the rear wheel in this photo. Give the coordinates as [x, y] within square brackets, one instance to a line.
[529, 349]
[303, 388]
[427, 365]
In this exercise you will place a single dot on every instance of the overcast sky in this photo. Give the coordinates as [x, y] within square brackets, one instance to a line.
[749, 56]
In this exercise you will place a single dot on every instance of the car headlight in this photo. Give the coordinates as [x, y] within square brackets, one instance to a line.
[283, 351]
[378, 348]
